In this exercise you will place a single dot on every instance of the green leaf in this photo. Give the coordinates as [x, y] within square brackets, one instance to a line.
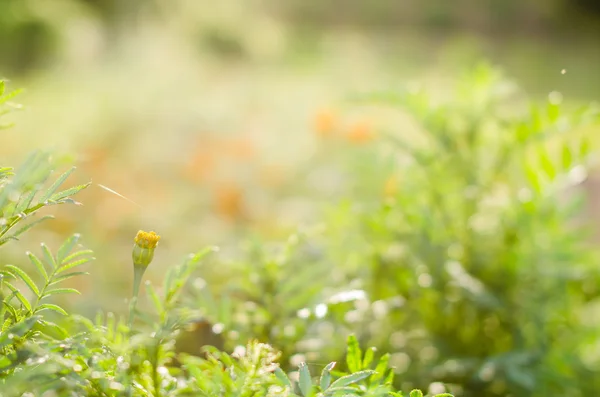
[535, 120]
[354, 354]
[69, 192]
[368, 359]
[13, 312]
[283, 377]
[50, 306]
[337, 391]
[10, 95]
[17, 330]
[66, 247]
[546, 164]
[7, 323]
[6, 239]
[25, 202]
[169, 279]
[585, 147]
[19, 295]
[30, 225]
[51, 329]
[57, 291]
[77, 255]
[325, 380]
[5, 172]
[54, 187]
[74, 264]
[48, 255]
[64, 277]
[38, 264]
[154, 298]
[68, 201]
[25, 277]
[553, 111]
[4, 273]
[416, 393]
[352, 378]
[389, 379]
[305, 383]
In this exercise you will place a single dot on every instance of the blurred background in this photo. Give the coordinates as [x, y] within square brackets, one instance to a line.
[228, 123]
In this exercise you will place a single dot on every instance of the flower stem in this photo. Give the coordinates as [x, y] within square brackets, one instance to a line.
[138, 273]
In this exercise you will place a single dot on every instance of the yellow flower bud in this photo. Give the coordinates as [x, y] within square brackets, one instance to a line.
[143, 249]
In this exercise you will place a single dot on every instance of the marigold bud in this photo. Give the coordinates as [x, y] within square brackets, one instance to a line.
[143, 249]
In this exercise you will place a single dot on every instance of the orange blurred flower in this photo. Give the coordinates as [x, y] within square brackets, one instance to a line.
[199, 166]
[360, 132]
[241, 148]
[229, 201]
[325, 122]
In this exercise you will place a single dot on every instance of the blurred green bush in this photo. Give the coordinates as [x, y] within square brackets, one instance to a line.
[482, 246]
[474, 269]
[459, 246]
[108, 356]
[27, 38]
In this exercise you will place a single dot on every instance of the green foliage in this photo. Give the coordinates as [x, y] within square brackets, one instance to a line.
[361, 381]
[25, 192]
[269, 294]
[24, 319]
[24, 310]
[107, 356]
[480, 244]
[26, 36]
[474, 275]
[6, 106]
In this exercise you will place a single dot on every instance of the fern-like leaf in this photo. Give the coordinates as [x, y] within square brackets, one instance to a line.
[48, 256]
[154, 298]
[30, 225]
[74, 264]
[57, 291]
[17, 330]
[20, 273]
[50, 306]
[17, 293]
[54, 187]
[38, 265]
[381, 368]
[67, 247]
[77, 255]
[353, 355]
[69, 192]
[67, 276]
